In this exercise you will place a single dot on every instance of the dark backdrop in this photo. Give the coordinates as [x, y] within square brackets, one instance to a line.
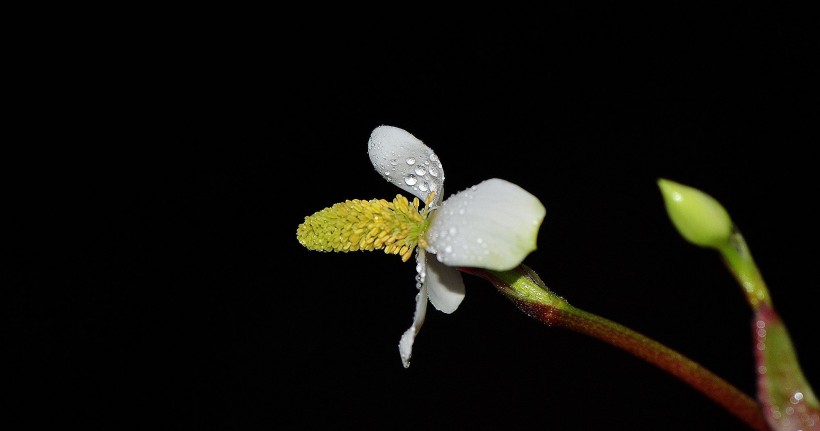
[159, 280]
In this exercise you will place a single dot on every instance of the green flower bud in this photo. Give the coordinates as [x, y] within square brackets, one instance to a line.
[698, 217]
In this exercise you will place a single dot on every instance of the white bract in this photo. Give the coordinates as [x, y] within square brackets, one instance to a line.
[493, 225]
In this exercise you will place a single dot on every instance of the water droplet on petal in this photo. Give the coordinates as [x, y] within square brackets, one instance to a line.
[423, 186]
[420, 170]
[394, 162]
[434, 157]
[433, 171]
[410, 180]
[411, 161]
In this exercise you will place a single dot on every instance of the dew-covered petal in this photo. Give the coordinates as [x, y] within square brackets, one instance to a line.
[406, 342]
[409, 336]
[492, 225]
[445, 287]
[405, 161]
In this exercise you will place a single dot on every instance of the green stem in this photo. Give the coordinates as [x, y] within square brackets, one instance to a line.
[526, 290]
[738, 259]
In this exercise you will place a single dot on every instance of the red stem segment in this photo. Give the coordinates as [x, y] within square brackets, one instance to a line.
[718, 390]
[712, 386]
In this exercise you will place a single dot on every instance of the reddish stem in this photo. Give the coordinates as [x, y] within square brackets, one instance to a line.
[712, 386]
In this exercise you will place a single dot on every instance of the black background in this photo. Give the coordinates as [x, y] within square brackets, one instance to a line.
[158, 280]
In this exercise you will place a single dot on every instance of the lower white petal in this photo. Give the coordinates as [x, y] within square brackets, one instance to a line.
[492, 225]
[406, 342]
[445, 286]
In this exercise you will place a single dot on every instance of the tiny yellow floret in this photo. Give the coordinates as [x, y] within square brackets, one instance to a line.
[397, 227]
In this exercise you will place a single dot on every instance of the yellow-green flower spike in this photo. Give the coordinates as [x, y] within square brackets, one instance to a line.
[397, 227]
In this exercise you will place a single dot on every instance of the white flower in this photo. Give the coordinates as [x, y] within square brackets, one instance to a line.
[492, 225]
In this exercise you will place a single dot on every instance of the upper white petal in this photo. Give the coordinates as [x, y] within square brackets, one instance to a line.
[445, 287]
[405, 161]
[492, 225]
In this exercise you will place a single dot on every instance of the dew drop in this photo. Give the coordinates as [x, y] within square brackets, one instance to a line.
[410, 180]
[394, 162]
[420, 170]
[433, 157]
[423, 186]
[433, 187]
[411, 161]
[433, 171]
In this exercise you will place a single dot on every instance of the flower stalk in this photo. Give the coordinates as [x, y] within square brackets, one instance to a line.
[526, 290]
[786, 398]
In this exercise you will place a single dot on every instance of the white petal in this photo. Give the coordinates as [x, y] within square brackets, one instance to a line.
[492, 225]
[445, 287]
[405, 161]
[406, 342]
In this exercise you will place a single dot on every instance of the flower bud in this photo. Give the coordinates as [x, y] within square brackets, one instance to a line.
[698, 217]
